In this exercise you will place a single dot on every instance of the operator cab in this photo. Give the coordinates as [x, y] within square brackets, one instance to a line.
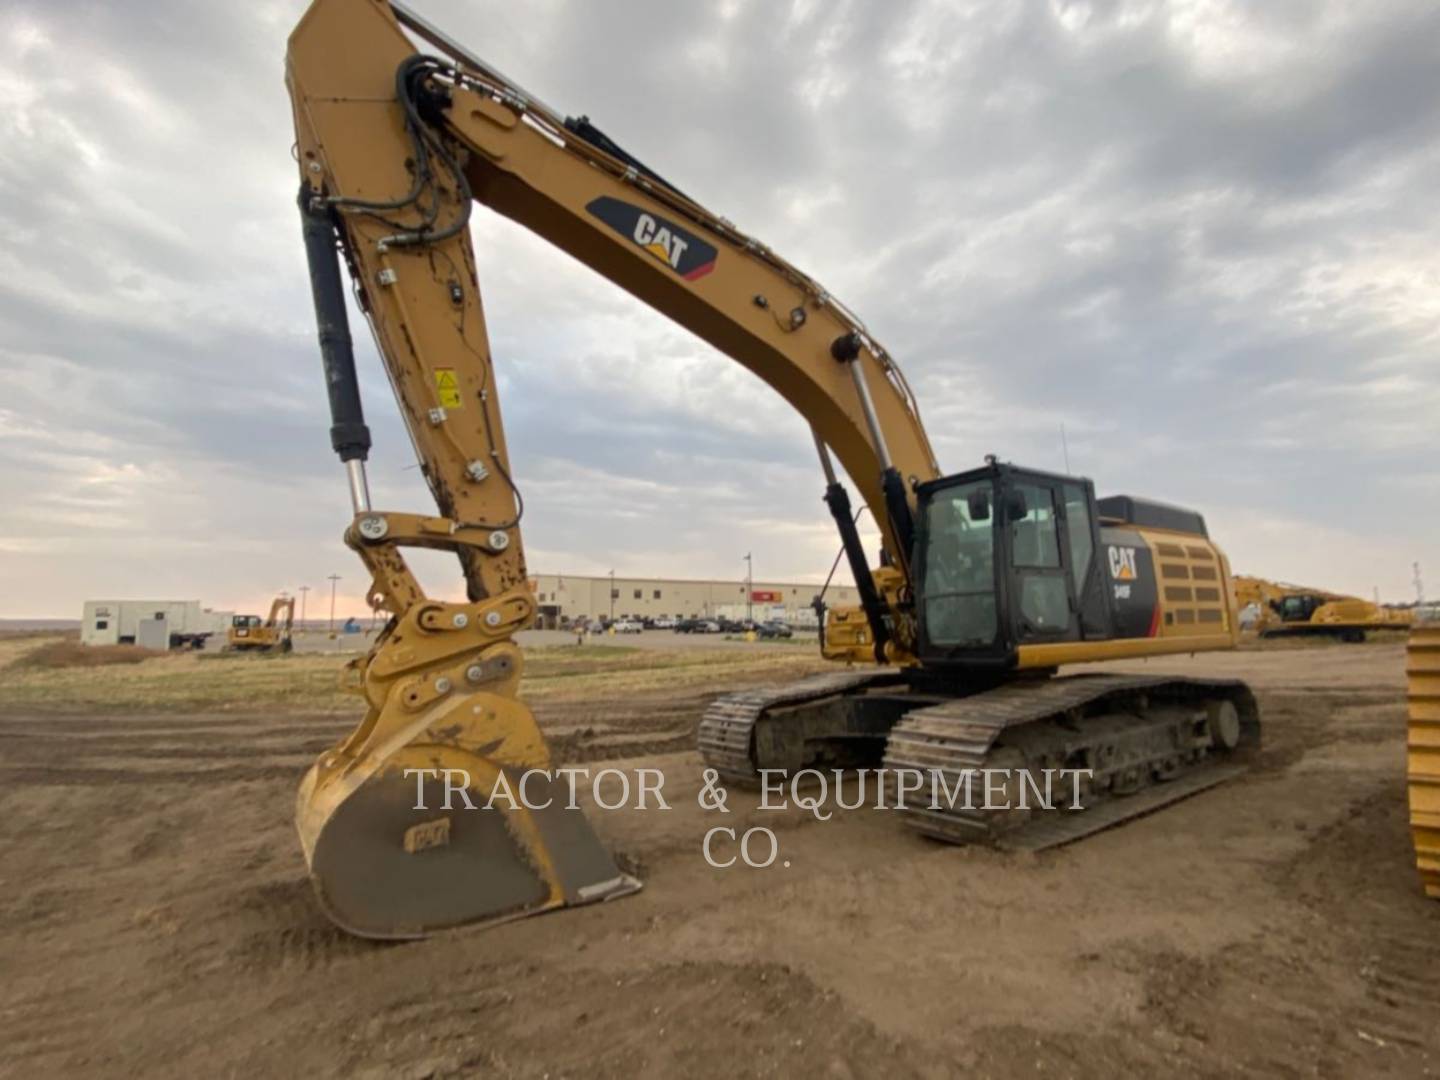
[1005, 557]
[246, 622]
[1298, 608]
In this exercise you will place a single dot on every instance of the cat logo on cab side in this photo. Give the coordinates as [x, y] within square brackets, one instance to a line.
[1122, 563]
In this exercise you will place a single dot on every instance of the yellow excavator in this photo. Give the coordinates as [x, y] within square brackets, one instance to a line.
[988, 582]
[1295, 610]
[250, 633]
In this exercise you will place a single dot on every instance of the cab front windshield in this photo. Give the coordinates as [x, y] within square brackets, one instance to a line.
[959, 601]
[1296, 608]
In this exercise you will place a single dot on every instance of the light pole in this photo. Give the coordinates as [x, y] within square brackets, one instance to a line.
[749, 589]
[333, 579]
[304, 590]
[612, 595]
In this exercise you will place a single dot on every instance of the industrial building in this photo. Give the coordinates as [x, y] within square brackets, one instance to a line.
[564, 598]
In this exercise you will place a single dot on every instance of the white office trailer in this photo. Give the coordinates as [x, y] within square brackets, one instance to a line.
[175, 624]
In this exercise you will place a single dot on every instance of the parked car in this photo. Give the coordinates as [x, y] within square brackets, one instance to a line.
[774, 628]
[686, 626]
[663, 622]
[627, 626]
[706, 626]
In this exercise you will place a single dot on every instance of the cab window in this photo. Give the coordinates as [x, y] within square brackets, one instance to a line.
[1034, 536]
[959, 594]
[1077, 529]
[1035, 552]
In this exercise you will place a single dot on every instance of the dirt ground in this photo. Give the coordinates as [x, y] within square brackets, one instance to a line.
[155, 918]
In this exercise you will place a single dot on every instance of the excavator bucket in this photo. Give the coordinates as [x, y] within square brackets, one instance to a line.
[448, 814]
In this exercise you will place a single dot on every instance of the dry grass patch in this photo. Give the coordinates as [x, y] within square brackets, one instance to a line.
[173, 681]
[66, 653]
[311, 682]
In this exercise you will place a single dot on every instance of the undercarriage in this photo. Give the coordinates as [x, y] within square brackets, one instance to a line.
[1028, 765]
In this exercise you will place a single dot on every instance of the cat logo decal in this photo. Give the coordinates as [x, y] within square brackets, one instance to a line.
[675, 246]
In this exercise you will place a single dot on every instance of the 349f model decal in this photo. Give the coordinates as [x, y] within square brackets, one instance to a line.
[676, 247]
[1136, 600]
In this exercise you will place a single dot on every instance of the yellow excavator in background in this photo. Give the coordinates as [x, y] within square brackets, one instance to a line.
[989, 580]
[249, 633]
[1290, 610]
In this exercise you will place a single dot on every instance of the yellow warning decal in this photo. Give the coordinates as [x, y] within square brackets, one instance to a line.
[447, 388]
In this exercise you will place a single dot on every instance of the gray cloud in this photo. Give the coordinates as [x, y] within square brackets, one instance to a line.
[1199, 236]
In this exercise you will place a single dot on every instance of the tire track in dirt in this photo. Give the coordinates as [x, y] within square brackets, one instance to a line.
[279, 927]
[61, 776]
[584, 732]
[60, 751]
[1348, 876]
[148, 735]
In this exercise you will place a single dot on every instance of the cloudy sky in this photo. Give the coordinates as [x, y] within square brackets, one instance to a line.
[1201, 236]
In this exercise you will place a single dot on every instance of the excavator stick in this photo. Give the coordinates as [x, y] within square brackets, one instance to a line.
[441, 808]
[1422, 669]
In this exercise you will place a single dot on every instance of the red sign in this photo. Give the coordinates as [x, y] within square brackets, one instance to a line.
[760, 596]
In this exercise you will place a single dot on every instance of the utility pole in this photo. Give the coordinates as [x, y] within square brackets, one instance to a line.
[749, 589]
[1419, 585]
[612, 595]
[333, 579]
[304, 591]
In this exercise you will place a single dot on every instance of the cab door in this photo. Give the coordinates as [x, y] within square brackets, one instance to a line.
[1056, 591]
[1089, 586]
[1042, 598]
